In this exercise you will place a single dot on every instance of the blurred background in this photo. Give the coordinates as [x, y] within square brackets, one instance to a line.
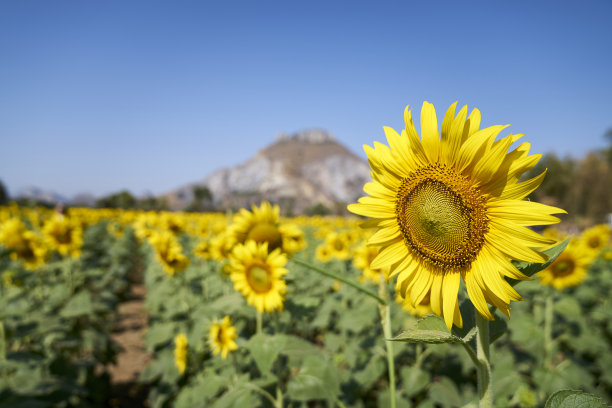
[209, 105]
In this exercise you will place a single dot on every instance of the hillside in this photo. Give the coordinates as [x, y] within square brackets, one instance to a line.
[297, 171]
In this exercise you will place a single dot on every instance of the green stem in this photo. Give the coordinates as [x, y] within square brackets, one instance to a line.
[262, 392]
[385, 319]
[279, 397]
[2, 349]
[548, 321]
[485, 389]
[341, 279]
[259, 322]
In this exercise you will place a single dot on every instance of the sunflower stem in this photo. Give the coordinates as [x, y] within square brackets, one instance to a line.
[548, 321]
[485, 388]
[2, 349]
[259, 319]
[385, 319]
[341, 279]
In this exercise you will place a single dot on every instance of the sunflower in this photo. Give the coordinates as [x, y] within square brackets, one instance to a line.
[180, 352]
[569, 269]
[258, 274]
[450, 207]
[168, 251]
[420, 310]
[363, 257]
[595, 239]
[222, 336]
[262, 224]
[65, 235]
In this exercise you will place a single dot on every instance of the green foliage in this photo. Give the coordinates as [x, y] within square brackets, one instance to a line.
[573, 399]
[57, 322]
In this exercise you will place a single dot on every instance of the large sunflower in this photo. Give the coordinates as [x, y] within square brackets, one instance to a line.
[449, 206]
[258, 275]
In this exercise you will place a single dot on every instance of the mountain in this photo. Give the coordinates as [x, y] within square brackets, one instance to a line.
[38, 194]
[297, 171]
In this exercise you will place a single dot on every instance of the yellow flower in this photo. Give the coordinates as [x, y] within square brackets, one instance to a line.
[222, 337]
[448, 206]
[168, 252]
[419, 310]
[362, 259]
[323, 253]
[258, 275]
[339, 245]
[262, 224]
[594, 239]
[202, 250]
[180, 352]
[569, 269]
[65, 235]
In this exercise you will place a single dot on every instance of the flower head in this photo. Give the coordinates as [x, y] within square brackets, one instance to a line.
[223, 336]
[180, 352]
[448, 206]
[258, 275]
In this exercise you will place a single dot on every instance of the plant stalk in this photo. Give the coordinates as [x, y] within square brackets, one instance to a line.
[485, 388]
[385, 319]
[259, 322]
[548, 321]
[341, 279]
[2, 349]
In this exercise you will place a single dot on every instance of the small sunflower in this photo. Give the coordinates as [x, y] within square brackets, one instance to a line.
[595, 239]
[222, 337]
[420, 310]
[180, 352]
[363, 256]
[569, 269]
[258, 275]
[262, 224]
[65, 235]
[168, 251]
[448, 206]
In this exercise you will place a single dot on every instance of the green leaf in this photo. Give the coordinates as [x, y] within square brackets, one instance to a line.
[414, 380]
[531, 268]
[265, 350]
[430, 329]
[573, 399]
[316, 380]
[79, 305]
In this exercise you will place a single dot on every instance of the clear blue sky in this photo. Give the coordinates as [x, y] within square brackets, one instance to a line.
[99, 96]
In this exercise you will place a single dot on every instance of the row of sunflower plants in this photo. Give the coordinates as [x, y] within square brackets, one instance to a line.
[62, 279]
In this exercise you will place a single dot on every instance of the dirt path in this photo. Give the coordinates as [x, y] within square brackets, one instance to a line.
[129, 334]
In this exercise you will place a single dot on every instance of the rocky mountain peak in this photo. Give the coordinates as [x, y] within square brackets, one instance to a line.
[313, 136]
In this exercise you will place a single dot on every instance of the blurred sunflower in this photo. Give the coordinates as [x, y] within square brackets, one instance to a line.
[168, 251]
[594, 239]
[223, 336]
[258, 275]
[262, 224]
[419, 310]
[450, 207]
[569, 269]
[180, 352]
[363, 256]
[65, 235]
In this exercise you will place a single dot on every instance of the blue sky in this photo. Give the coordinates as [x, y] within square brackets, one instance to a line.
[149, 95]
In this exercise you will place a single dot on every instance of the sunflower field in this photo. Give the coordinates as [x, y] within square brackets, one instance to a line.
[254, 327]
[451, 290]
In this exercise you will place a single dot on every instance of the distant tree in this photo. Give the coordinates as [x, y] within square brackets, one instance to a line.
[3, 194]
[123, 199]
[153, 204]
[318, 209]
[202, 199]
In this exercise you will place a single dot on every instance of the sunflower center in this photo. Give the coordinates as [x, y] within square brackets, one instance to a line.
[266, 233]
[259, 279]
[593, 242]
[563, 268]
[442, 216]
